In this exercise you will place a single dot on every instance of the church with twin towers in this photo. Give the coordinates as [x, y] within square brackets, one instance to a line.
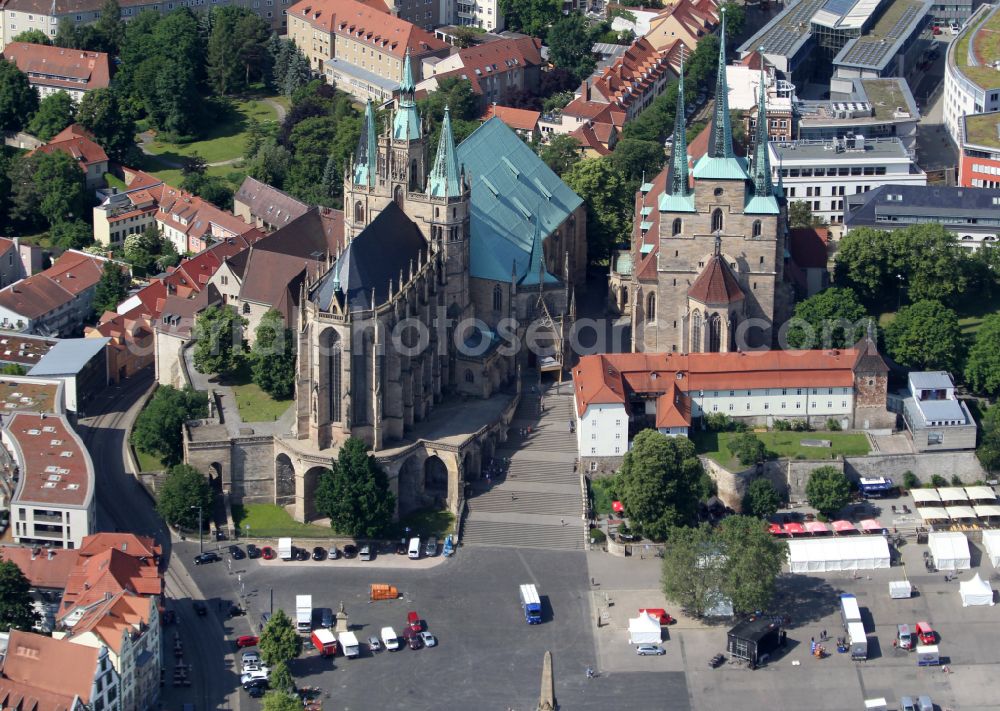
[709, 242]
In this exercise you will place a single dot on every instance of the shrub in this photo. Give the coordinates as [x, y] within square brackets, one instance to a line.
[801, 426]
[782, 425]
[833, 425]
[597, 535]
[937, 480]
[748, 448]
[718, 422]
[956, 480]
[910, 480]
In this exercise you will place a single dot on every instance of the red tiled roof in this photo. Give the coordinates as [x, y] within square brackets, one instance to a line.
[34, 297]
[55, 466]
[517, 119]
[47, 65]
[142, 547]
[716, 284]
[113, 617]
[81, 149]
[586, 134]
[76, 271]
[808, 247]
[110, 571]
[57, 668]
[49, 568]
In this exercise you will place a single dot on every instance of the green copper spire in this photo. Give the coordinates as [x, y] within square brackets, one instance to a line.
[367, 153]
[406, 123]
[444, 180]
[763, 199]
[678, 196]
[720, 143]
[535, 274]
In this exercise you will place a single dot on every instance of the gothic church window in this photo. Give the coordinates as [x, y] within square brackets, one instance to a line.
[359, 212]
[696, 332]
[651, 307]
[756, 229]
[678, 225]
[469, 377]
[717, 220]
[497, 298]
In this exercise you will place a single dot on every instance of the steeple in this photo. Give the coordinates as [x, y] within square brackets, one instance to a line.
[678, 196]
[406, 123]
[367, 153]
[444, 179]
[763, 200]
[720, 162]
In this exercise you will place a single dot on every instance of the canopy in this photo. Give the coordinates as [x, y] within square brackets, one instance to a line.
[925, 496]
[933, 513]
[950, 550]
[991, 542]
[986, 510]
[960, 512]
[981, 493]
[952, 493]
[617, 507]
[658, 612]
[817, 527]
[810, 555]
[775, 530]
[794, 528]
[975, 592]
[871, 525]
[844, 527]
[644, 629]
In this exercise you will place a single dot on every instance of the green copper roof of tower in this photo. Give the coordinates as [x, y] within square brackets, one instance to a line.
[367, 153]
[444, 178]
[763, 200]
[678, 196]
[720, 162]
[406, 123]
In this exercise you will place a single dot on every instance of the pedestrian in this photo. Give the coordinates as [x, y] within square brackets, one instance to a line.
[562, 521]
[824, 635]
[513, 498]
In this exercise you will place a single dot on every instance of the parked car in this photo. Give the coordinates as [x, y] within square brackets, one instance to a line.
[319, 553]
[431, 549]
[925, 633]
[267, 553]
[350, 551]
[325, 617]
[401, 547]
[333, 553]
[236, 611]
[924, 703]
[413, 621]
[250, 658]
[256, 689]
[301, 554]
[412, 638]
[253, 552]
[374, 645]
[253, 676]
[650, 650]
[367, 552]
[428, 639]
[935, 30]
[247, 640]
[236, 553]
[208, 557]
[200, 608]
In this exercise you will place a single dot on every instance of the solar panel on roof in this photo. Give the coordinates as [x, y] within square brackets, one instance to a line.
[838, 7]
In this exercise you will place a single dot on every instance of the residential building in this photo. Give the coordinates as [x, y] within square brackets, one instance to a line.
[52, 69]
[979, 163]
[617, 395]
[78, 144]
[260, 204]
[121, 214]
[55, 302]
[359, 48]
[523, 122]
[936, 418]
[23, 349]
[47, 571]
[810, 265]
[484, 14]
[129, 343]
[686, 21]
[971, 214]
[427, 14]
[192, 224]
[743, 80]
[497, 69]
[971, 79]
[824, 173]
[12, 266]
[596, 139]
[81, 364]
[46, 674]
[54, 502]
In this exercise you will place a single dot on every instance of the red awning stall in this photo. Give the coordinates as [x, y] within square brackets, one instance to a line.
[794, 529]
[844, 527]
[817, 527]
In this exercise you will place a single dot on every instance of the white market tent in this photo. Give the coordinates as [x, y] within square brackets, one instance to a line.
[952, 493]
[986, 510]
[932, 513]
[925, 496]
[950, 550]
[957, 513]
[812, 555]
[975, 592]
[644, 629]
[981, 493]
[991, 542]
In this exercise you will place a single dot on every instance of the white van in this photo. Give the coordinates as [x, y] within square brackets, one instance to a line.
[415, 548]
[389, 639]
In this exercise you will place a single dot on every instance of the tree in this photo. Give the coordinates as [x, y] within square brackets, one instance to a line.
[184, 492]
[18, 99]
[271, 163]
[17, 610]
[281, 700]
[989, 444]
[279, 642]
[297, 75]
[141, 248]
[109, 28]
[828, 490]
[218, 335]
[55, 112]
[111, 120]
[762, 499]
[635, 158]
[659, 483]
[531, 17]
[748, 448]
[692, 573]
[833, 318]
[157, 429]
[237, 50]
[570, 42]
[982, 369]
[32, 36]
[50, 186]
[735, 19]
[76, 234]
[800, 215]
[355, 494]
[281, 679]
[465, 37]
[13, 369]
[112, 288]
[561, 153]
[753, 560]
[272, 358]
[610, 204]
[926, 336]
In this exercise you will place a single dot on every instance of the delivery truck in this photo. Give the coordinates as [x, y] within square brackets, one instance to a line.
[928, 655]
[849, 609]
[303, 612]
[531, 604]
[349, 643]
[324, 641]
[379, 591]
[285, 548]
[858, 640]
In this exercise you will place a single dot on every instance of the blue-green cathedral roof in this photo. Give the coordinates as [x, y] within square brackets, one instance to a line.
[511, 187]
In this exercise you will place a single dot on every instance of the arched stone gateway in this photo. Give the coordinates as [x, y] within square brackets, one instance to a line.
[435, 481]
[284, 480]
[410, 485]
[310, 481]
[215, 477]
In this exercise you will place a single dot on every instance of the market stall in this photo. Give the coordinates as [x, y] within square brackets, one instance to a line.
[981, 494]
[871, 525]
[933, 514]
[952, 495]
[975, 592]
[950, 550]
[794, 529]
[841, 527]
[922, 497]
[991, 542]
[838, 553]
[817, 528]
[644, 629]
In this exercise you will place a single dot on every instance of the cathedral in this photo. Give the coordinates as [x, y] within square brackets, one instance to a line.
[705, 269]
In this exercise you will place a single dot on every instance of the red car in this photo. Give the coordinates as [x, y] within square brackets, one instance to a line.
[413, 621]
[925, 633]
[267, 553]
[246, 640]
[936, 30]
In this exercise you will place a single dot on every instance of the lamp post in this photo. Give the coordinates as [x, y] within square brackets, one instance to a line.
[201, 535]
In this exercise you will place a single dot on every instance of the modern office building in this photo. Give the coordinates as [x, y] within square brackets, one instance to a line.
[971, 76]
[936, 418]
[824, 173]
[979, 163]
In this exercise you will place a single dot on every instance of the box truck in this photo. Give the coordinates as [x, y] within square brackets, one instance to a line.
[285, 548]
[349, 643]
[303, 612]
[324, 641]
[380, 591]
[928, 655]
[849, 609]
[858, 640]
[532, 604]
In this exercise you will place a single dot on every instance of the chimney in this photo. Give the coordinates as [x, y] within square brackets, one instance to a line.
[52, 554]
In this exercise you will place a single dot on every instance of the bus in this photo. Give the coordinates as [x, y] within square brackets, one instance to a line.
[878, 486]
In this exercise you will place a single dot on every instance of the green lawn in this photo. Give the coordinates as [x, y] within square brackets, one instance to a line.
[783, 444]
[114, 181]
[427, 522]
[271, 521]
[173, 176]
[600, 497]
[973, 313]
[254, 404]
[148, 462]
[226, 138]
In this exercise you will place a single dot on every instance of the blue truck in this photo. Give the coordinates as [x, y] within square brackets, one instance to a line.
[531, 604]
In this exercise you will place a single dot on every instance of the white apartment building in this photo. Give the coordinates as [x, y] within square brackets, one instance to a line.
[485, 14]
[970, 88]
[823, 173]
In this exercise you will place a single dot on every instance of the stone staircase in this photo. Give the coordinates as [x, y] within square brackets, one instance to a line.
[537, 501]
